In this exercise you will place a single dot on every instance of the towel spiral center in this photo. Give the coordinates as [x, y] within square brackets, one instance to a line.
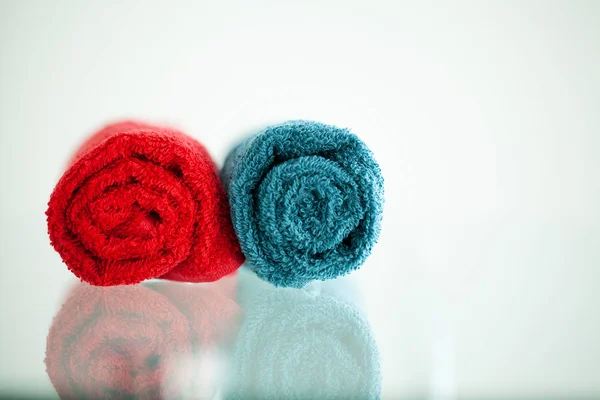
[131, 209]
[310, 203]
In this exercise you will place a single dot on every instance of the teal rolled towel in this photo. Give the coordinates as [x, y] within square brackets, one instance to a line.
[306, 201]
[295, 345]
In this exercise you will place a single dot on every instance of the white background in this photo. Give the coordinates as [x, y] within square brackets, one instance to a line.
[484, 118]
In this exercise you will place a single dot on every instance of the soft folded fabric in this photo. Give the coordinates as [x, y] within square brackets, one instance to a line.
[118, 342]
[139, 202]
[306, 201]
[296, 345]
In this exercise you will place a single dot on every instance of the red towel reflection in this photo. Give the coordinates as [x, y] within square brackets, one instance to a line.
[133, 341]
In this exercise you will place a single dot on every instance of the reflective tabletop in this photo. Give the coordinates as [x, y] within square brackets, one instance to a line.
[236, 338]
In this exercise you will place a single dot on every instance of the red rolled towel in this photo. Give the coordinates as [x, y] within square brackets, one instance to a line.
[118, 342]
[139, 202]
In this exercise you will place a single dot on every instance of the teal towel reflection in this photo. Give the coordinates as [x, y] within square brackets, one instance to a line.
[294, 345]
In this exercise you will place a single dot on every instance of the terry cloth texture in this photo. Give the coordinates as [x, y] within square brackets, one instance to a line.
[139, 202]
[293, 345]
[141, 341]
[306, 201]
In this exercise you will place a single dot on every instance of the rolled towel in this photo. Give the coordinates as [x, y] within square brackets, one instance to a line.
[306, 201]
[139, 202]
[293, 345]
[118, 342]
